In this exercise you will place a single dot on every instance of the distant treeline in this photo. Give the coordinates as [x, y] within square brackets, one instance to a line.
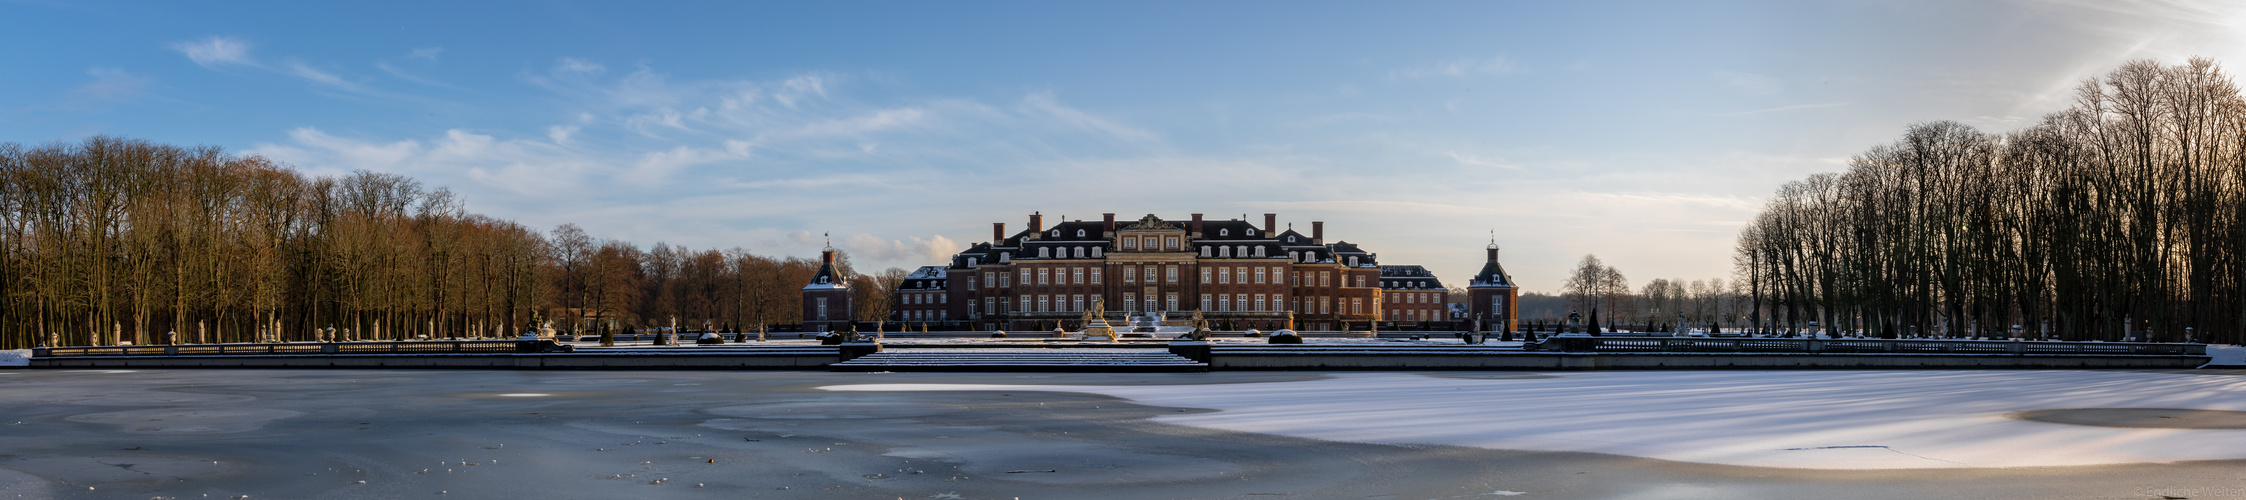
[115, 240]
[2126, 212]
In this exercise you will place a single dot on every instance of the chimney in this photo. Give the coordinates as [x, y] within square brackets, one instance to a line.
[1107, 222]
[1036, 222]
[827, 256]
[1270, 223]
[997, 234]
[1318, 232]
[1195, 228]
[1493, 252]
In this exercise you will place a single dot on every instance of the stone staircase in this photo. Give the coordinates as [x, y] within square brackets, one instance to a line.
[1049, 359]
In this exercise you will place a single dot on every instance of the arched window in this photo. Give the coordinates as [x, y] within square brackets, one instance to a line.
[1251, 231]
[1290, 239]
[1095, 252]
[1056, 232]
[1224, 232]
[1352, 261]
[1044, 252]
[1004, 257]
[1243, 251]
[1079, 233]
[1224, 252]
[1079, 252]
[971, 261]
[1259, 251]
[1204, 251]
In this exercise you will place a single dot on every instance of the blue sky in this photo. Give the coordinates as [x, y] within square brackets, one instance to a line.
[1643, 132]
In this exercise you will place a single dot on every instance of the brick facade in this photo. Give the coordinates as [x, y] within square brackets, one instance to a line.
[1234, 273]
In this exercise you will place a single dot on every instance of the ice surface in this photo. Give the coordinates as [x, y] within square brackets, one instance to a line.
[2226, 355]
[15, 357]
[1793, 419]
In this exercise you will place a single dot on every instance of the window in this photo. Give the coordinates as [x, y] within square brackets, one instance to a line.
[971, 261]
[943, 299]
[1360, 282]
[1240, 302]
[1150, 278]
[1025, 277]
[1356, 305]
[1170, 274]
[1152, 243]
[1325, 305]
[1044, 303]
[1041, 277]
[1290, 239]
[1224, 302]
[1130, 274]
[1293, 255]
[1056, 232]
[1352, 261]
[1170, 302]
[1205, 302]
[1005, 257]
[1224, 252]
[1043, 252]
[1322, 278]
[1076, 302]
[822, 308]
[1130, 243]
[1095, 252]
[1079, 233]
[1204, 251]
[1259, 275]
[1079, 253]
[1025, 304]
[1251, 231]
[1205, 276]
[1224, 232]
[1241, 251]
[1259, 251]
[1259, 303]
[1224, 275]
[1076, 276]
[1131, 301]
[1006, 280]
[1173, 245]
[970, 282]
[1095, 276]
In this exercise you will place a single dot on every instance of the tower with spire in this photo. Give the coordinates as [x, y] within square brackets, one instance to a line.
[1491, 296]
[826, 300]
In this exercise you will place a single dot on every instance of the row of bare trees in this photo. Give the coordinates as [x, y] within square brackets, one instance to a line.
[2121, 216]
[1595, 286]
[108, 241]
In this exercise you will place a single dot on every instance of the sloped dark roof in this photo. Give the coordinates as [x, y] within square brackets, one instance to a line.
[827, 278]
[1492, 275]
[1408, 277]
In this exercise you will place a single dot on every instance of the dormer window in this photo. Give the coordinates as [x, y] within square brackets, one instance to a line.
[1251, 231]
[1204, 251]
[1044, 252]
[1004, 257]
[1079, 233]
[1224, 232]
[1290, 239]
[1056, 233]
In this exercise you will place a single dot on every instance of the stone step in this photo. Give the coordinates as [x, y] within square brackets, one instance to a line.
[1088, 360]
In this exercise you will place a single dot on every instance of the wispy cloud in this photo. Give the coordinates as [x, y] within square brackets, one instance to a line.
[1457, 68]
[1795, 107]
[110, 86]
[1480, 161]
[1751, 83]
[216, 51]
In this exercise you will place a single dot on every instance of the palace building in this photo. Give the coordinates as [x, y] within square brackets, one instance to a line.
[1413, 296]
[826, 300]
[1491, 298]
[1235, 274]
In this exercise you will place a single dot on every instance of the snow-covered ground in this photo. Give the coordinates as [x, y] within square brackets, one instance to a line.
[15, 357]
[2226, 355]
[1794, 419]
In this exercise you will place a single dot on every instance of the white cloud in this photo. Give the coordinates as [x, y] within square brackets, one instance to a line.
[1457, 68]
[575, 65]
[1480, 161]
[933, 249]
[216, 51]
[1751, 83]
[429, 53]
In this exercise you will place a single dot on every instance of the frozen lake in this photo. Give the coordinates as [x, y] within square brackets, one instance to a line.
[715, 434]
